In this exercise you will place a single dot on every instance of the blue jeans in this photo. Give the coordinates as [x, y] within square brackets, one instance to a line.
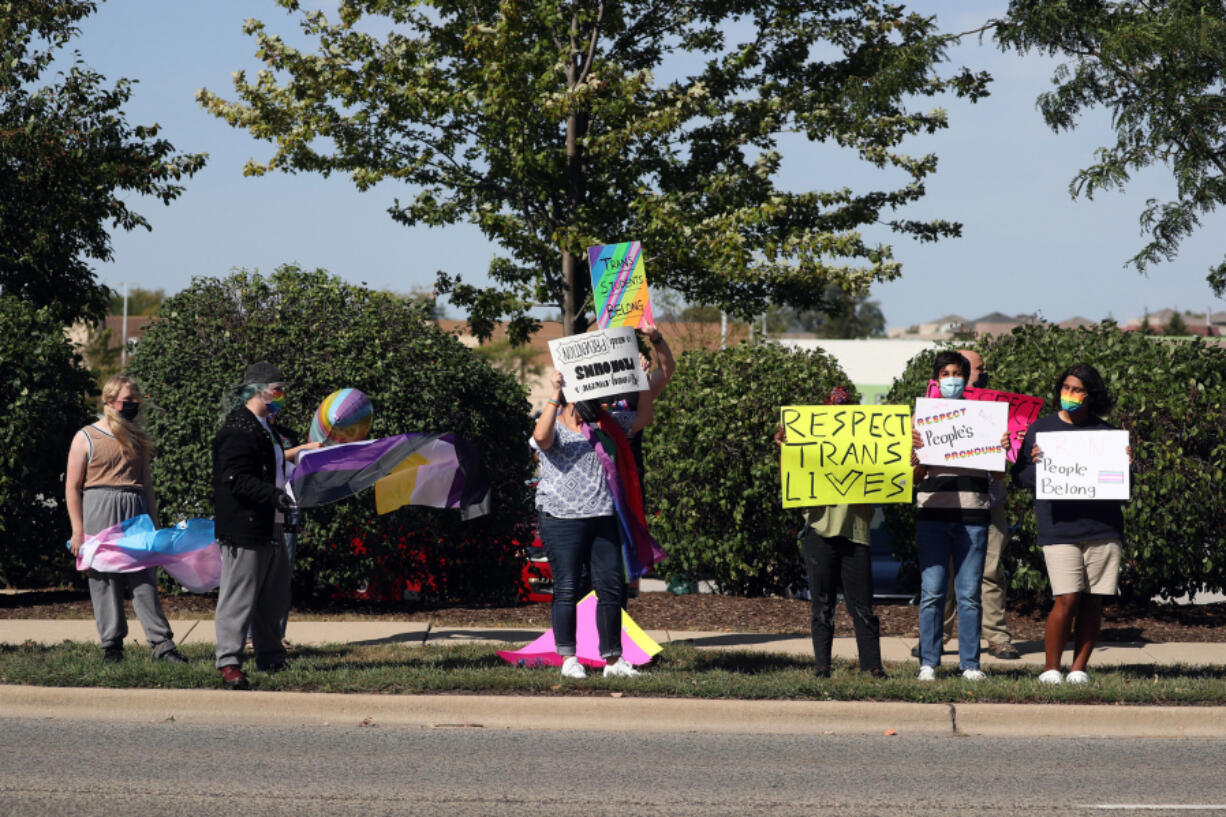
[572, 545]
[966, 545]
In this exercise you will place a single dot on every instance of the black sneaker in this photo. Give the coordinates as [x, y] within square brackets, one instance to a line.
[171, 656]
[112, 655]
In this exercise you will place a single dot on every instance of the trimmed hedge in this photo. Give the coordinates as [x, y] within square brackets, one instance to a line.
[326, 335]
[1171, 395]
[712, 480]
[45, 390]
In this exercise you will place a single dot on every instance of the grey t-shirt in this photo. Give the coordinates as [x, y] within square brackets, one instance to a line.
[572, 484]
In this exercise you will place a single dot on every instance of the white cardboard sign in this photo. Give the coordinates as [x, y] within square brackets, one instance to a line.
[1082, 465]
[600, 364]
[961, 433]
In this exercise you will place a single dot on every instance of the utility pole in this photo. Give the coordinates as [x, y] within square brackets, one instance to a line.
[123, 351]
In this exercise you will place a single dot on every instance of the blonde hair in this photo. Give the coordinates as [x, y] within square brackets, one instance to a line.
[132, 438]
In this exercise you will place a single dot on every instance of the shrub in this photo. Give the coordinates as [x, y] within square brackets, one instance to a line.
[45, 392]
[326, 335]
[1171, 396]
[712, 478]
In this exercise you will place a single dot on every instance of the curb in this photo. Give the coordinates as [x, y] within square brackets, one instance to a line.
[609, 714]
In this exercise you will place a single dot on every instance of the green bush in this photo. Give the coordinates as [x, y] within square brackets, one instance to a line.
[326, 335]
[45, 392]
[712, 481]
[1171, 396]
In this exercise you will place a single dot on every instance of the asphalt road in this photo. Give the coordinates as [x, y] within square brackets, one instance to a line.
[84, 768]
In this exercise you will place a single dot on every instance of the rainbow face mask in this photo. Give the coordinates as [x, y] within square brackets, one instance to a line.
[275, 400]
[1072, 403]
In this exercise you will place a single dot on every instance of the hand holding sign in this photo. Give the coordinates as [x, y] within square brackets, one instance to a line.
[600, 364]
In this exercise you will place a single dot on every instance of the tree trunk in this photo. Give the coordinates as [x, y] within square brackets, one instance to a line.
[574, 278]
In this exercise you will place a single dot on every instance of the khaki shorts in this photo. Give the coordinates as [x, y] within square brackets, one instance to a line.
[1093, 565]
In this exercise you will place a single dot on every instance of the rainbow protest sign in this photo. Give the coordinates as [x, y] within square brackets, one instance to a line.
[619, 285]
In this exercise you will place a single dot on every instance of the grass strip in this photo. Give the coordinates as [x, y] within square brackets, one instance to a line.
[679, 671]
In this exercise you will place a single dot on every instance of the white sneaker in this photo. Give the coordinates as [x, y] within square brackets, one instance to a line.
[974, 674]
[1051, 676]
[1078, 677]
[571, 668]
[926, 673]
[620, 668]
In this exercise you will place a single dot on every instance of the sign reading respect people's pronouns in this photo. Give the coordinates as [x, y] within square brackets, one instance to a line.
[619, 285]
[1023, 410]
[1082, 465]
[840, 455]
[598, 364]
[963, 433]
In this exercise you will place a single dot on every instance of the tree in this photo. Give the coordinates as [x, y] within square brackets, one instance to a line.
[44, 389]
[1176, 325]
[67, 154]
[846, 316]
[1158, 66]
[556, 126]
[327, 335]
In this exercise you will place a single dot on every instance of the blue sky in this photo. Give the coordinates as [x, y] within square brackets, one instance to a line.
[1027, 246]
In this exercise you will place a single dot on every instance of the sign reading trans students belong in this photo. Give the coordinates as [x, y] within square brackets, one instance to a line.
[845, 455]
[597, 365]
[619, 285]
[962, 433]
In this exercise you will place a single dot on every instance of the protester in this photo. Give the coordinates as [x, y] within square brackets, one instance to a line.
[951, 523]
[1081, 538]
[577, 523]
[994, 630]
[835, 546]
[108, 481]
[249, 507]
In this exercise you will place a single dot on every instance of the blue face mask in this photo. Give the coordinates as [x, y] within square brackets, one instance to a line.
[952, 387]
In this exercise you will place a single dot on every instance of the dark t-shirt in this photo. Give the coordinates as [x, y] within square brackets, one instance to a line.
[1065, 521]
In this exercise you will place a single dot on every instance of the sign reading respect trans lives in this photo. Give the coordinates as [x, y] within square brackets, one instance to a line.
[596, 365]
[963, 433]
[845, 455]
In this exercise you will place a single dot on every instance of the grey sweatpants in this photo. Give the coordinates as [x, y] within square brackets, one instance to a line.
[255, 592]
[106, 592]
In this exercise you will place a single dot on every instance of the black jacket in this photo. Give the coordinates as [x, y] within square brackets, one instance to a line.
[245, 489]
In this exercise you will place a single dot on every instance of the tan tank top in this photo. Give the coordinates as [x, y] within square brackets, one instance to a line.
[108, 466]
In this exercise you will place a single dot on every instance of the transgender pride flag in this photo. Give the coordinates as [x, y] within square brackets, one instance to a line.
[188, 551]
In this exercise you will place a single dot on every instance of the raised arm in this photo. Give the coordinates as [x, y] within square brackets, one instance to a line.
[543, 434]
[659, 378]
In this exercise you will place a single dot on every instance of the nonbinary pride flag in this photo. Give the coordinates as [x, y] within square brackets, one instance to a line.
[436, 470]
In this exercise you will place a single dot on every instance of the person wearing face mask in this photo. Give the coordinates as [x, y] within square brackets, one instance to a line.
[995, 630]
[249, 507]
[1082, 539]
[107, 482]
[951, 526]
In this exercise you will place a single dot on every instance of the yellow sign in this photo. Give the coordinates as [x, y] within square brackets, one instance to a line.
[845, 455]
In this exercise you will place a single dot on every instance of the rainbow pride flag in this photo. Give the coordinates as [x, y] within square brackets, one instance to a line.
[435, 470]
[188, 551]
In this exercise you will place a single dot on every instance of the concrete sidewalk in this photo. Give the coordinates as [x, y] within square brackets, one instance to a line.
[419, 633]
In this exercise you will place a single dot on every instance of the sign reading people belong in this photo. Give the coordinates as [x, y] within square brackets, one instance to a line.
[1082, 465]
[1023, 410]
[962, 433]
[619, 285]
[598, 364]
[837, 455]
